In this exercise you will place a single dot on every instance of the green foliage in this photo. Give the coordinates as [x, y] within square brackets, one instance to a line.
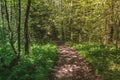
[104, 60]
[36, 66]
[6, 54]
[74, 20]
[39, 19]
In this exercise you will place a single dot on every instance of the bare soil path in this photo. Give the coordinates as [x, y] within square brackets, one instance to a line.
[70, 66]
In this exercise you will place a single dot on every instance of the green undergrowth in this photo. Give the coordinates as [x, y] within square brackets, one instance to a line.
[36, 66]
[104, 60]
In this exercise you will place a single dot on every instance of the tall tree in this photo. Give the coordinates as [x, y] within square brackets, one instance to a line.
[19, 25]
[2, 23]
[9, 27]
[62, 26]
[111, 22]
[26, 40]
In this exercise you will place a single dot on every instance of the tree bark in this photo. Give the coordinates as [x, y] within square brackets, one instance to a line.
[117, 34]
[111, 23]
[62, 28]
[2, 24]
[19, 25]
[26, 40]
[9, 28]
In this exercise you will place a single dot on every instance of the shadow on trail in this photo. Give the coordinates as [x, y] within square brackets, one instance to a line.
[70, 66]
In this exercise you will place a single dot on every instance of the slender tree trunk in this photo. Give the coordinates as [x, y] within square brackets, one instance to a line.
[71, 37]
[16, 59]
[106, 32]
[62, 32]
[62, 28]
[26, 40]
[2, 28]
[19, 25]
[118, 34]
[15, 13]
[111, 23]
[9, 28]
[11, 14]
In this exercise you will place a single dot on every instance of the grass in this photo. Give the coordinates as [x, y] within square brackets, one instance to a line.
[101, 58]
[35, 66]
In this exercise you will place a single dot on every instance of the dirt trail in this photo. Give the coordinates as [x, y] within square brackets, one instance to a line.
[70, 66]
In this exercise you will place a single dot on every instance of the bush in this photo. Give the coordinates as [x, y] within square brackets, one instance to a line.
[103, 59]
[35, 66]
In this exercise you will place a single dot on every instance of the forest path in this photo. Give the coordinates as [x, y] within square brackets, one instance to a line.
[70, 66]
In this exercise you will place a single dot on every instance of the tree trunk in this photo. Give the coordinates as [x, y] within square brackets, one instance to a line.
[111, 23]
[19, 25]
[62, 33]
[62, 28]
[2, 25]
[26, 28]
[118, 34]
[9, 28]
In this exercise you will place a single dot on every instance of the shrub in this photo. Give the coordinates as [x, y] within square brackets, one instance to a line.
[35, 66]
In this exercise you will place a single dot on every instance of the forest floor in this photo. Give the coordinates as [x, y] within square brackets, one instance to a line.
[70, 66]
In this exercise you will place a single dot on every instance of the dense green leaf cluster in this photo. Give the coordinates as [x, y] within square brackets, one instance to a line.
[39, 19]
[103, 59]
[36, 66]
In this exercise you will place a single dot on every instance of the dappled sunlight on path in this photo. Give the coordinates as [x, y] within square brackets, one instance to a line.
[70, 66]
